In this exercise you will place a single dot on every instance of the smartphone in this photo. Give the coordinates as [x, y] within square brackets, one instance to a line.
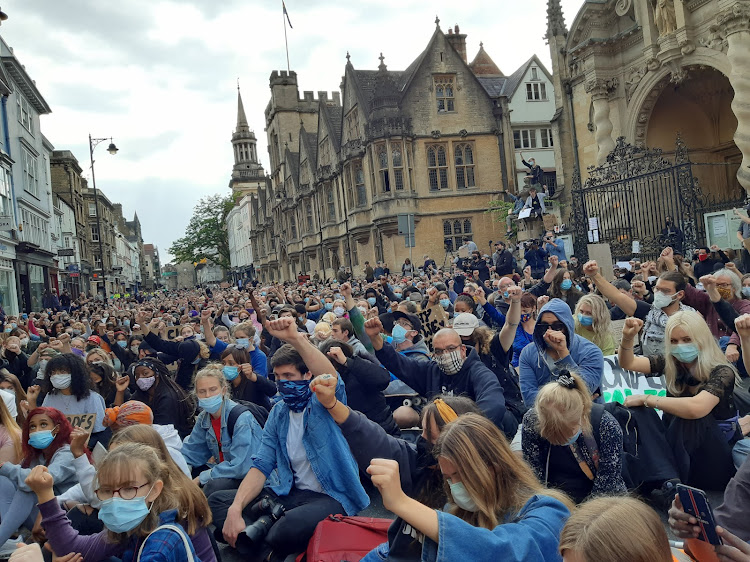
[695, 503]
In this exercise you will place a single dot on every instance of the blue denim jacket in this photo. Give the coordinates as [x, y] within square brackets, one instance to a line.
[533, 534]
[326, 449]
[238, 449]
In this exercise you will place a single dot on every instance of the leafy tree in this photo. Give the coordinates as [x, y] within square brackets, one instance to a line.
[206, 234]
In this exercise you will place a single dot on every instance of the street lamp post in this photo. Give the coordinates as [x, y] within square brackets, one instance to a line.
[112, 149]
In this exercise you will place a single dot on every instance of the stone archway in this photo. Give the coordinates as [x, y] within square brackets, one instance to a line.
[695, 102]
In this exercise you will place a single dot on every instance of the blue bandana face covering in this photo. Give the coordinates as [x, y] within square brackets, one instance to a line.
[296, 394]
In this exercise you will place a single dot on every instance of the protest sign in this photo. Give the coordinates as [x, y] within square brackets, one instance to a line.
[84, 421]
[173, 331]
[619, 383]
[433, 319]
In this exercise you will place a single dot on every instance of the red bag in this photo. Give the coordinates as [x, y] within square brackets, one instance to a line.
[340, 538]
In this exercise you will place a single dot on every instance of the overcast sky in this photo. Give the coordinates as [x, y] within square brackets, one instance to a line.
[160, 77]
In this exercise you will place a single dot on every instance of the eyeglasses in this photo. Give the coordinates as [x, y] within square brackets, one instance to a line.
[126, 492]
[404, 324]
[559, 326]
[450, 349]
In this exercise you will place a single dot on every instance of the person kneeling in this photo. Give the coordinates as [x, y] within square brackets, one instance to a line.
[318, 475]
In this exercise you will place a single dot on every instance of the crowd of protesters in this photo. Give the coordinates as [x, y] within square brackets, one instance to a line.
[468, 398]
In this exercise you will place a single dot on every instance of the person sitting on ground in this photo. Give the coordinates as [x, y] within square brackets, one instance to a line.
[571, 443]
[498, 510]
[557, 348]
[139, 495]
[616, 529]
[593, 322]
[218, 454]
[365, 382]
[563, 288]
[246, 384]
[453, 368]
[699, 411]
[311, 487]
[45, 441]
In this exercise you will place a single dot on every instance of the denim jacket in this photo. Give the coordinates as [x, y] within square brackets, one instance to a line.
[533, 534]
[238, 449]
[326, 449]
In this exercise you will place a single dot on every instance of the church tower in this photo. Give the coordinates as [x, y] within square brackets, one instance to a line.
[247, 173]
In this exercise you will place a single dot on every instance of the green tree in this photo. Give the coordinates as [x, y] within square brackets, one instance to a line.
[206, 234]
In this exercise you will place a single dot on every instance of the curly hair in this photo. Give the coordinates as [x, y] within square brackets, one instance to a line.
[80, 380]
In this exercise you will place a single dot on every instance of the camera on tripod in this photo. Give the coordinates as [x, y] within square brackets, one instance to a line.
[267, 511]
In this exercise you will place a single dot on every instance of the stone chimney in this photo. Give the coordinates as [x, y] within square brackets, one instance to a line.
[458, 41]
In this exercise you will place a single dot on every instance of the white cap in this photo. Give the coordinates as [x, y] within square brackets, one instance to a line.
[465, 323]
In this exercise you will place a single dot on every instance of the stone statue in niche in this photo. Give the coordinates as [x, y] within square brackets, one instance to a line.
[664, 17]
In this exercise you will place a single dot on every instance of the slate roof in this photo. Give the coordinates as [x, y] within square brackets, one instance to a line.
[310, 140]
[334, 116]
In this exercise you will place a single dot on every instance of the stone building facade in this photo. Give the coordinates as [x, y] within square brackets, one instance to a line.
[648, 71]
[432, 142]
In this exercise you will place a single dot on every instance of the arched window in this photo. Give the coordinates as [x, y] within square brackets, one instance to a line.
[464, 159]
[437, 167]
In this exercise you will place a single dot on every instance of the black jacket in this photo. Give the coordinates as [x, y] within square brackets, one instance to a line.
[257, 392]
[504, 263]
[365, 382]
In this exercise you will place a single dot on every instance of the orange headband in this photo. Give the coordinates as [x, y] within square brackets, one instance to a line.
[446, 412]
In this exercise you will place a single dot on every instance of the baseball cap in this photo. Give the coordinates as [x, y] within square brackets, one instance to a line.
[410, 318]
[465, 323]
[95, 339]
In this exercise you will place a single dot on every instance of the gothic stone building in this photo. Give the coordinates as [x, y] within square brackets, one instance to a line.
[648, 71]
[432, 142]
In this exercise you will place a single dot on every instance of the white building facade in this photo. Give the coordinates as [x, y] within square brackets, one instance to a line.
[532, 108]
[238, 233]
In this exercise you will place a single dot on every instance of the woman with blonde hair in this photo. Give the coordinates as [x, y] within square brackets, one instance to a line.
[571, 443]
[618, 529]
[147, 509]
[498, 509]
[10, 437]
[699, 411]
[220, 455]
[593, 322]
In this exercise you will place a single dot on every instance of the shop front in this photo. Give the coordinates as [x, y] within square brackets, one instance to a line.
[8, 293]
[33, 267]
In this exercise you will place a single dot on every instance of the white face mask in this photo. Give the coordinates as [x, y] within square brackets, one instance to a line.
[60, 381]
[661, 300]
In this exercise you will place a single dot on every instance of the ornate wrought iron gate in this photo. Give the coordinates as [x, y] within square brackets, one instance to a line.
[631, 195]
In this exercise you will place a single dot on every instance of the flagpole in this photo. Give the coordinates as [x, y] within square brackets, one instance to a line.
[286, 43]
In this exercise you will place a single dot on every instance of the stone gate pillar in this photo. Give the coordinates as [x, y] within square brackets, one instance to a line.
[735, 22]
[600, 88]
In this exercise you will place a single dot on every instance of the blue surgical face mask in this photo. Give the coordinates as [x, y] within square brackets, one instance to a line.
[307, 299]
[574, 438]
[126, 323]
[461, 497]
[212, 404]
[372, 300]
[399, 334]
[506, 295]
[585, 320]
[296, 394]
[121, 516]
[122, 343]
[397, 295]
[746, 292]
[566, 284]
[685, 352]
[242, 343]
[445, 303]
[41, 439]
[230, 372]
[329, 306]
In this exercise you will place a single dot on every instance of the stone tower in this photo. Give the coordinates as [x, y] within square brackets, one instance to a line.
[247, 173]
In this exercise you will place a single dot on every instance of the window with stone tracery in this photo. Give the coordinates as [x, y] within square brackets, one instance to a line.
[445, 94]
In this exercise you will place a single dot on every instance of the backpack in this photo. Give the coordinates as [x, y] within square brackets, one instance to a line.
[259, 413]
[189, 550]
[340, 538]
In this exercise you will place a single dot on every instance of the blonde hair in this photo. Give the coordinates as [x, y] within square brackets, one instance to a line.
[710, 355]
[499, 482]
[215, 370]
[559, 407]
[616, 529]
[247, 327]
[601, 317]
[101, 354]
[14, 431]
[178, 492]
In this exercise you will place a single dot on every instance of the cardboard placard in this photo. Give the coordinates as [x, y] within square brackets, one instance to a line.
[433, 320]
[84, 421]
[619, 383]
[174, 331]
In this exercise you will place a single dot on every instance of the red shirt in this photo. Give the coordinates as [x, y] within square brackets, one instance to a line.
[216, 424]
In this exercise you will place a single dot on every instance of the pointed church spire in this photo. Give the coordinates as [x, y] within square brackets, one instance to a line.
[555, 20]
[242, 124]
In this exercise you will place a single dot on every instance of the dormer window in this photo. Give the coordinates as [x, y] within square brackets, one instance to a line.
[445, 94]
[534, 73]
